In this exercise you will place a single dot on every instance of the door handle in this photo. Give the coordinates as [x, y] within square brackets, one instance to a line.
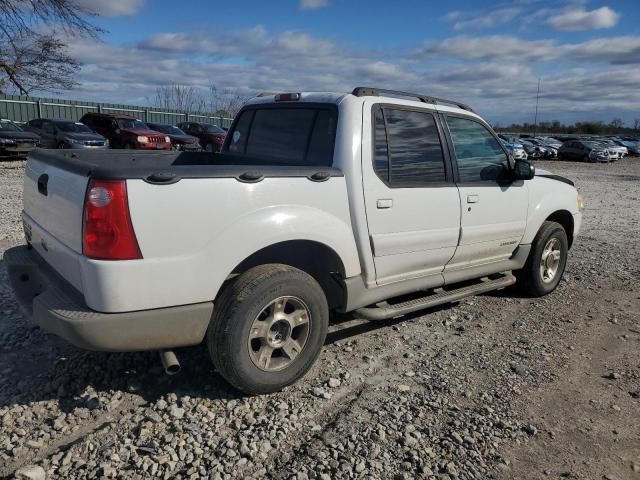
[473, 198]
[383, 203]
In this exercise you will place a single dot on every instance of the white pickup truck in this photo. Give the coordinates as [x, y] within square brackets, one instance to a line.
[379, 202]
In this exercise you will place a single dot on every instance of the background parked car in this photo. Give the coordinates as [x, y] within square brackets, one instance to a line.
[533, 151]
[632, 147]
[586, 151]
[211, 136]
[516, 149]
[179, 139]
[65, 134]
[14, 141]
[613, 147]
[124, 131]
[547, 150]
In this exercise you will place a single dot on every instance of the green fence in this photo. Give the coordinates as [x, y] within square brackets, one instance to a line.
[23, 109]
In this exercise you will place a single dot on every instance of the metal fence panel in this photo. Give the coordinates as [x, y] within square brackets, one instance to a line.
[23, 109]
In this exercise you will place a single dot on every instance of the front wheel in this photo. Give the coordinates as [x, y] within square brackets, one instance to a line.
[268, 328]
[547, 261]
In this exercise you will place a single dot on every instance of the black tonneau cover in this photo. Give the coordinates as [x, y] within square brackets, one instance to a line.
[170, 167]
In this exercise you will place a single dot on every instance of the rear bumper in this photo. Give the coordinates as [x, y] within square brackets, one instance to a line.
[57, 307]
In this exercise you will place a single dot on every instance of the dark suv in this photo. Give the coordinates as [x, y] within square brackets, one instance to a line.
[124, 131]
[211, 136]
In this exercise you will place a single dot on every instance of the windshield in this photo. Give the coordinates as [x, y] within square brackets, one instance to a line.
[9, 126]
[213, 129]
[168, 129]
[73, 127]
[132, 124]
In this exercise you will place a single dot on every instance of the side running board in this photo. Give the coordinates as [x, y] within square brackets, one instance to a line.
[385, 310]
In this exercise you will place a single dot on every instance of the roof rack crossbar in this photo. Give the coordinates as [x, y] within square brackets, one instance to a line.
[371, 91]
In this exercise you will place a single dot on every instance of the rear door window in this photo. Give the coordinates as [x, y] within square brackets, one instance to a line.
[407, 149]
[297, 136]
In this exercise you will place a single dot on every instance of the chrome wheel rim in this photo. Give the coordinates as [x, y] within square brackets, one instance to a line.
[279, 333]
[550, 260]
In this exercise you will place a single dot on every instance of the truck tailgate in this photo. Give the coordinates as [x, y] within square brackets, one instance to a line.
[53, 200]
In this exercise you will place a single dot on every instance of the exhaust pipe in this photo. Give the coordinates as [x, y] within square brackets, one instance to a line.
[169, 362]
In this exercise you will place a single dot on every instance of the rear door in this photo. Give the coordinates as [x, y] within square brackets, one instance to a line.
[412, 204]
[494, 208]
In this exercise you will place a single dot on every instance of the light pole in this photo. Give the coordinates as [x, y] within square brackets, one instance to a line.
[535, 120]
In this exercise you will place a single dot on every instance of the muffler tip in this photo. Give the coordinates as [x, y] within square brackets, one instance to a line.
[170, 362]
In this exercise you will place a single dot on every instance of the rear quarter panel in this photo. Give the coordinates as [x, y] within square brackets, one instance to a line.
[193, 233]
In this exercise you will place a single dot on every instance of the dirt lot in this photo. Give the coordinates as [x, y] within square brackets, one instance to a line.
[495, 387]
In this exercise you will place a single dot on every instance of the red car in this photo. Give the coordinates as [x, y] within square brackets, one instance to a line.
[211, 136]
[124, 131]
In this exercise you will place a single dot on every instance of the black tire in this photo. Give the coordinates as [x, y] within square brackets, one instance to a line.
[530, 278]
[238, 307]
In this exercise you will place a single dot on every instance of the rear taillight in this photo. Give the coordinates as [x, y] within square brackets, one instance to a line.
[107, 231]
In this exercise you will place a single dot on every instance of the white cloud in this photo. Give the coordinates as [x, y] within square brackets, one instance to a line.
[313, 4]
[111, 8]
[496, 75]
[581, 19]
[483, 20]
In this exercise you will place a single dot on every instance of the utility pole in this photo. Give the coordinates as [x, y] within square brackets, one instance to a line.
[535, 120]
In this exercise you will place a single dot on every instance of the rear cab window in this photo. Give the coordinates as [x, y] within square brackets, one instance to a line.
[289, 135]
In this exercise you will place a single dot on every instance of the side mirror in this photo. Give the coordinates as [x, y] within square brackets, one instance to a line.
[117, 131]
[524, 170]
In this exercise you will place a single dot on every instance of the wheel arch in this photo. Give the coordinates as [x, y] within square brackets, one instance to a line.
[564, 218]
[315, 258]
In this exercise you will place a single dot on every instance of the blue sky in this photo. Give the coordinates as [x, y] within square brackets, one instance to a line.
[489, 54]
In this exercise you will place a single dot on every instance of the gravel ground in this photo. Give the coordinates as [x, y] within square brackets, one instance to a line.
[496, 386]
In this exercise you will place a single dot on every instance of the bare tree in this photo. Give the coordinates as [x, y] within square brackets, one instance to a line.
[31, 58]
[636, 124]
[225, 102]
[616, 123]
[179, 97]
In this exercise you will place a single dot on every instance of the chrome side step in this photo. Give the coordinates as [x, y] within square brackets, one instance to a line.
[385, 310]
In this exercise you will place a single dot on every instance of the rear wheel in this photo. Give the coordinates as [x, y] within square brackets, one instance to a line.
[268, 328]
[547, 261]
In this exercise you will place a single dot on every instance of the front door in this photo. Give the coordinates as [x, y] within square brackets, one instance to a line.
[411, 201]
[494, 208]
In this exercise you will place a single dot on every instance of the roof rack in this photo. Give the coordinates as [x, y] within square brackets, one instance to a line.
[373, 92]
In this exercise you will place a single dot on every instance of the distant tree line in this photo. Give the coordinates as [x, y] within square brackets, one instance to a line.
[616, 126]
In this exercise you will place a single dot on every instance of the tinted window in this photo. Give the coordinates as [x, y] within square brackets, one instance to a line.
[413, 146]
[321, 143]
[381, 152]
[285, 136]
[35, 123]
[238, 142]
[478, 153]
